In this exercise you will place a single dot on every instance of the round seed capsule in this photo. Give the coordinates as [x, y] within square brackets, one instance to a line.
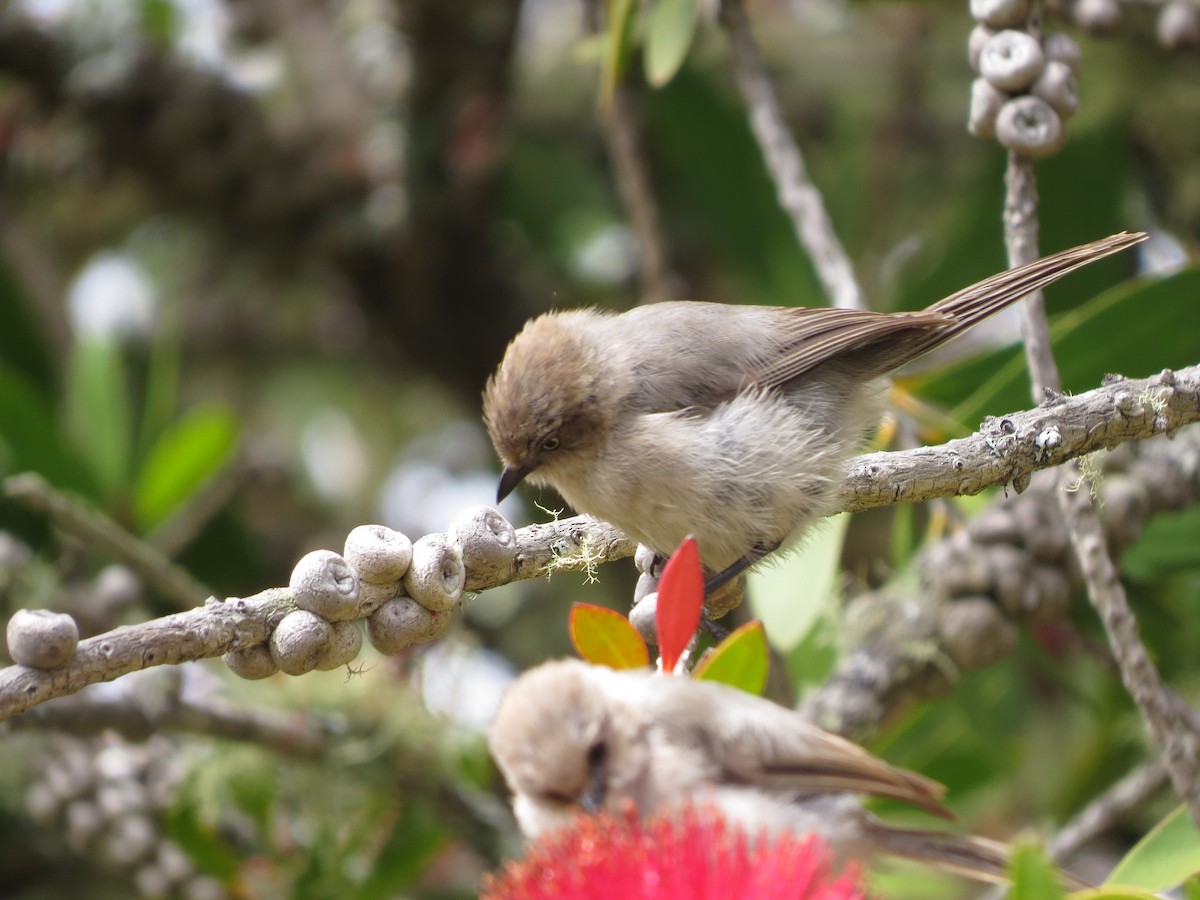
[1011, 60]
[402, 622]
[437, 574]
[251, 663]
[345, 642]
[41, 638]
[325, 584]
[378, 554]
[1029, 127]
[298, 641]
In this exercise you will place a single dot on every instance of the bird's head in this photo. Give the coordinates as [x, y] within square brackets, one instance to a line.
[552, 402]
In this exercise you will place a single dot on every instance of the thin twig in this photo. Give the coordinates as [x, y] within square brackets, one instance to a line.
[1177, 745]
[1109, 808]
[798, 196]
[658, 280]
[107, 537]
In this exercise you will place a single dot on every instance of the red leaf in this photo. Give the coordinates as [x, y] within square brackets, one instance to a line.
[605, 637]
[680, 600]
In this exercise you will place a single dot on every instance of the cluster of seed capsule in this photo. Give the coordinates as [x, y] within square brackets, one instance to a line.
[1026, 89]
[1178, 22]
[108, 797]
[404, 590]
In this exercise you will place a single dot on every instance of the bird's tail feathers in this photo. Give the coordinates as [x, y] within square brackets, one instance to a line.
[973, 857]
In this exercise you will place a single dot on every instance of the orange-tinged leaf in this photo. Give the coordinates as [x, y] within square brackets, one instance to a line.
[603, 636]
[680, 600]
[741, 660]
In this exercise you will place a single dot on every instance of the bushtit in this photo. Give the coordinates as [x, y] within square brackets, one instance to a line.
[570, 735]
[729, 423]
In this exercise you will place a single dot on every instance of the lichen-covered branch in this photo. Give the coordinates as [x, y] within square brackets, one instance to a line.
[1009, 449]
[207, 631]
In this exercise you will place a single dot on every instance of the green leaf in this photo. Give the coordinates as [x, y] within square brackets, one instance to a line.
[1168, 855]
[671, 28]
[99, 418]
[620, 46]
[741, 660]
[791, 595]
[185, 456]
[1033, 876]
[1167, 546]
[159, 20]
[603, 636]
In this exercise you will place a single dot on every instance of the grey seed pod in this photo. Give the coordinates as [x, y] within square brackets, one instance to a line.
[344, 645]
[151, 881]
[1179, 25]
[42, 804]
[1029, 127]
[985, 106]
[974, 633]
[378, 554]
[128, 840]
[251, 663]
[372, 596]
[487, 539]
[83, 821]
[202, 887]
[1097, 16]
[644, 558]
[999, 13]
[1009, 569]
[118, 760]
[437, 574]
[1058, 87]
[325, 584]
[1125, 508]
[402, 622]
[116, 587]
[298, 641]
[642, 617]
[1063, 48]
[176, 864]
[646, 584]
[1011, 60]
[41, 638]
[116, 798]
[994, 525]
[1053, 592]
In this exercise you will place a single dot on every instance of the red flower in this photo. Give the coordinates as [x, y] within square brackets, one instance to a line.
[689, 855]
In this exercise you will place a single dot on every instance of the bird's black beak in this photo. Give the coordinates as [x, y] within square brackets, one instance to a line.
[510, 478]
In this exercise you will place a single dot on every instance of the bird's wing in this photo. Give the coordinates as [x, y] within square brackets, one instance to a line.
[810, 337]
[758, 743]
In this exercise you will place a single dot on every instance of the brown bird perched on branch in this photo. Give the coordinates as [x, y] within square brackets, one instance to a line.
[729, 423]
[569, 735]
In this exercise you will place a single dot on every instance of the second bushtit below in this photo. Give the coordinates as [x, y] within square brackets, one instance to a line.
[569, 735]
[729, 423]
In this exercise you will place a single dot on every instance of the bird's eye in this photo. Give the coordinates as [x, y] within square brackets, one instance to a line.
[550, 444]
[596, 755]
